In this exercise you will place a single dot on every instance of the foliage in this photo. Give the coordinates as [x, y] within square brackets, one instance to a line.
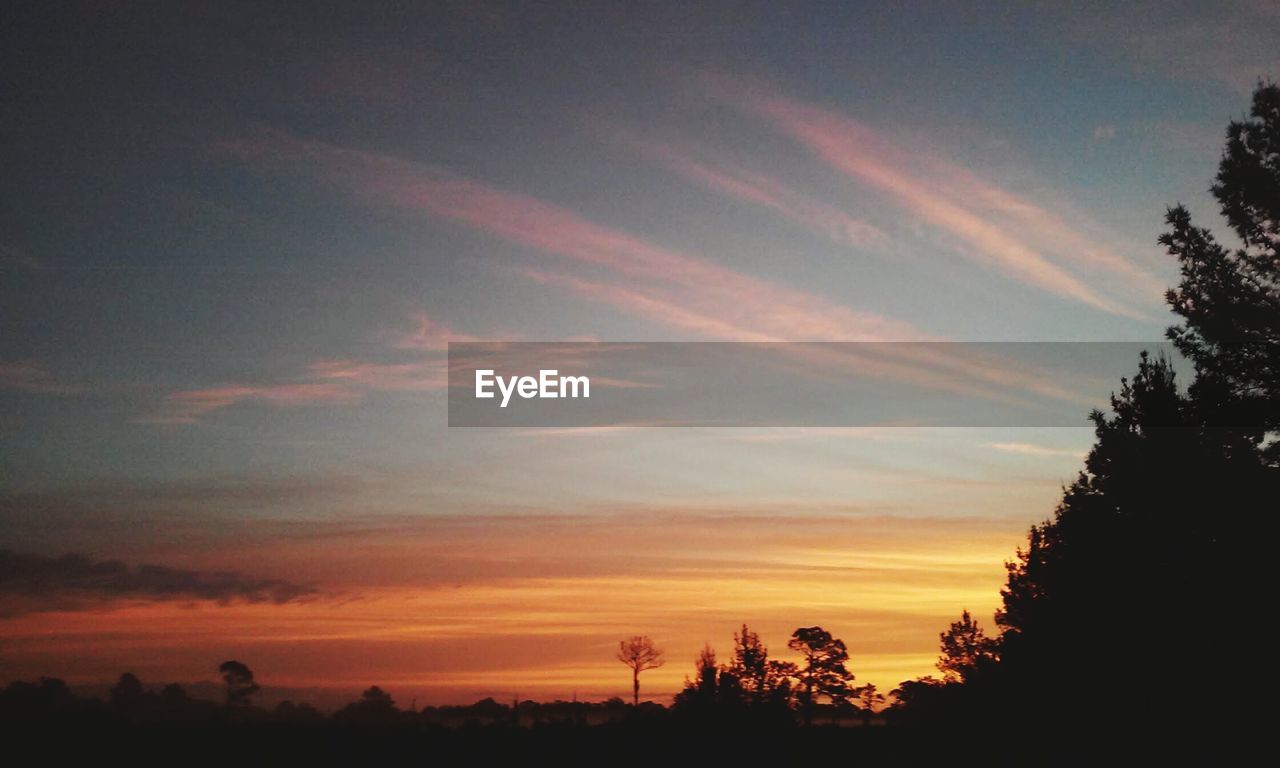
[823, 672]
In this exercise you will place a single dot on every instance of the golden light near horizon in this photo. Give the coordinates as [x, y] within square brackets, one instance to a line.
[884, 585]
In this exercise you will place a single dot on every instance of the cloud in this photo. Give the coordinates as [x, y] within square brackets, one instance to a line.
[753, 187]
[29, 376]
[331, 382]
[33, 583]
[674, 314]
[1030, 449]
[645, 277]
[427, 335]
[607, 265]
[996, 227]
[188, 406]
[411, 376]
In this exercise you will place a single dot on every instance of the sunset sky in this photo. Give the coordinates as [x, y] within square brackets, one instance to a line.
[235, 243]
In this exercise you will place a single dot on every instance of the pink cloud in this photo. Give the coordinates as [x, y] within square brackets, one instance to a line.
[664, 285]
[413, 376]
[186, 407]
[427, 335]
[655, 277]
[753, 187]
[673, 314]
[950, 198]
[28, 376]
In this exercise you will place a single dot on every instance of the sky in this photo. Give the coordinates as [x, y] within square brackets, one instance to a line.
[237, 238]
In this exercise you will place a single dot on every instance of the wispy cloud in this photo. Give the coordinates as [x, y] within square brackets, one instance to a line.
[404, 377]
[647, 277]
[672, 313]
[333, 381]
[30, 376]
[662, 284]
[427, 335]
[30, 583]
[751, 186]
[996, 227]
[1031, 449]
[188, 406]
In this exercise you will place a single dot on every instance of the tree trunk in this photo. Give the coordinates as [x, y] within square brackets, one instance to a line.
[635, 687]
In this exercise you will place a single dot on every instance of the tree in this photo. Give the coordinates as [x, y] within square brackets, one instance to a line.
[1165, 516]
[639, 654]
[965, 650]
[762, 680]
[375, 706]
[713, 688]
[824, 672]
[1229, 298]
[239, 682]
[376, 699]
[127, 691]
[868, 700]
[708, 674]
[174, 696]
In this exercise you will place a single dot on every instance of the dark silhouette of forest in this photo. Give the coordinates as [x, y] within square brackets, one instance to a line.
[1130, 625]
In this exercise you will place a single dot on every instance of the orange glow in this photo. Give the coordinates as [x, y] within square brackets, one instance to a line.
[535, 606]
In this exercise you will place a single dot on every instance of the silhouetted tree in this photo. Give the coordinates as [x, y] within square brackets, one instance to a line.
[823, 672]
[1120, 552]
[639, 654]
[966, 650]
[1156, 522]
[1167, 512]
[762, 680]
[239, 682]
[868, 700]
[713, 688]
[174, 696]
[127, 691]
[376, 698]
[1229, 297]
[300, 712]
[708, 674]
[375, 706]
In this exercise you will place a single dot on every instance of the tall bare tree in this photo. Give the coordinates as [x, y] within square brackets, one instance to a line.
[639, 653]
